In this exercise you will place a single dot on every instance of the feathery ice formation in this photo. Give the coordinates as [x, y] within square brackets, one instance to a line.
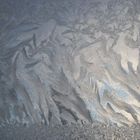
[69, 61]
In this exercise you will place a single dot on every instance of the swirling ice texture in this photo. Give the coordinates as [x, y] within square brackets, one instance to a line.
[67, 61]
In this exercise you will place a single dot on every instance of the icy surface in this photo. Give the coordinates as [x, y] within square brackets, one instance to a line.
[67, 61]
[96, 131]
